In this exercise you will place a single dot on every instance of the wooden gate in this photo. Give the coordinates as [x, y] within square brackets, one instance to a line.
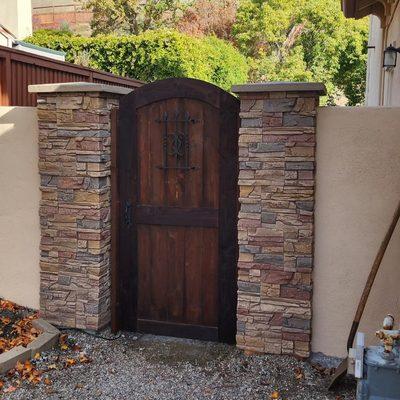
[175, 204]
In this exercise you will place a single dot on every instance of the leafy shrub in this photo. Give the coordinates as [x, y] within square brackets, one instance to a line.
[153, 55]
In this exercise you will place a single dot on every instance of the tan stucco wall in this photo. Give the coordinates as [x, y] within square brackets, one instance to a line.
[19, 206]
[357, 191]
[358, 187]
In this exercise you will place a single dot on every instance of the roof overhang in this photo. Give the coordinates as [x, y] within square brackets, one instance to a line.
[361, 8]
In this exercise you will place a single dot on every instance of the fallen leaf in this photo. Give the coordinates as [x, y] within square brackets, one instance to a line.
[5, 320]
[70, 361]
[63, 338]
[28, 367]
[76, 347]
[275, 395]
[22, 331]
[298, 373]
[84, 359]
[10, 389]
[8, 305]
[37, 356]
[1, 385]
[52, 366]
[19, 366]
[35, 378]
[47, 381]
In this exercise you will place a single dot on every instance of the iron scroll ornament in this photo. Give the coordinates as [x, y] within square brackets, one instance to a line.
[177, 143]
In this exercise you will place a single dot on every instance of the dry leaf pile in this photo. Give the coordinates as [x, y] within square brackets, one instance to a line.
[16, 329]
[323, 371]
[37, 370]
[15, 326]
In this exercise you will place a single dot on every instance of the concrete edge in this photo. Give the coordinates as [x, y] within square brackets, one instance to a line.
[45, 341]
[42, 325]
[74, 87]
[9, 359]
[280, 87]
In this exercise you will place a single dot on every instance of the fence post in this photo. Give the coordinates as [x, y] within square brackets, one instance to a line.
[276, 227]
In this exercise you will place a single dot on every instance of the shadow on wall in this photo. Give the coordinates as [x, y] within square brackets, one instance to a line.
[357, 192]
[19, 206]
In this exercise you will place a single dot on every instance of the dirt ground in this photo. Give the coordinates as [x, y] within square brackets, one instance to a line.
[149, 367]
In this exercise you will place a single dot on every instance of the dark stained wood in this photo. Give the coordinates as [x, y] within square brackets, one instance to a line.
[173, 88]
[178, 330]
[178, 216]
[228, 217]
[178, 226]
[127, 189]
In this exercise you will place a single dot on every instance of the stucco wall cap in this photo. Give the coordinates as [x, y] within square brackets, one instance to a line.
[77, 87]
[280, 87]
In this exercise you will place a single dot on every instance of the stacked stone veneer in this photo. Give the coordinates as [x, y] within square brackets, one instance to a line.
[276, 179]
[74, 166]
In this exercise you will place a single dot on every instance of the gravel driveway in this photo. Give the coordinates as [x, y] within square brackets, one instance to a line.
[150, 367]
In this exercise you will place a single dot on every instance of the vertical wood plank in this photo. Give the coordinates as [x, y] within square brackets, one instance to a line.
[144, 272]
[128, 189]
[159, 267]
[212, 155]
[144, 157]
[194, 178]
[193, 288]
[228, 215]
[176, 274]
[209, 276]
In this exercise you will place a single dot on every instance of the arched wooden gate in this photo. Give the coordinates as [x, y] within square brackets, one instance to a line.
[175, 204]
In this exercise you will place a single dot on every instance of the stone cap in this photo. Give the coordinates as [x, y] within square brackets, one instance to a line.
[71, 87]
[280, 87]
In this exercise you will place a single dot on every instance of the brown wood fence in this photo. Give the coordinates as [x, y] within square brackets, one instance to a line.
[19, 69]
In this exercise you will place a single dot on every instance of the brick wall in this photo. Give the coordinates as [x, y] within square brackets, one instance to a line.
[276, 179]
[74, 167]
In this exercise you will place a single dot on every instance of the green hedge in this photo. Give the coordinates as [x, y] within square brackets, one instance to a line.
[152, 55]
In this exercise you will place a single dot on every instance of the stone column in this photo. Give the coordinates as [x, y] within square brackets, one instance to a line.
[74, 166]
[276, 219]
